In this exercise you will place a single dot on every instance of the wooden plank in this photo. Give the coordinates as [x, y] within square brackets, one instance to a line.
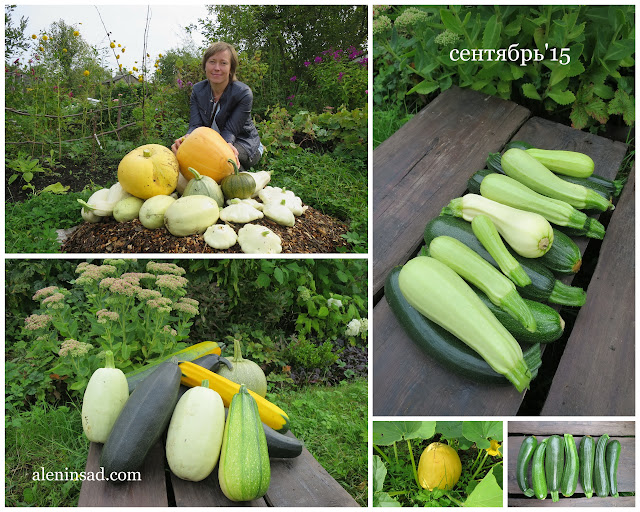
[408, 382]
[581, 428]
[149, 491]
[303, 482]
[596, 375]
[206, 493]
[626, 464]
[622, 501]
[427, 163]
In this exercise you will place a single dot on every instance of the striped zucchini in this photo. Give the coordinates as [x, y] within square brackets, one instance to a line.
[600, 478]
[586, 456]
[444, 297]
[554, 465]
[527, 448]
[538, 476]
[477, 271]
[527, 170]
[549, 323]
[571, 469]
[564, 257]
[485, 231]
[612, 456]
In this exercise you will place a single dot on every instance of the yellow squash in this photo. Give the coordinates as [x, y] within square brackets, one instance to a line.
[148, 171]
[439, 467]
[271, 414]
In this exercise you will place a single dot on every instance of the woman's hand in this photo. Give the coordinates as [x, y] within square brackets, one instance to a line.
[177, 142]
[235, 152]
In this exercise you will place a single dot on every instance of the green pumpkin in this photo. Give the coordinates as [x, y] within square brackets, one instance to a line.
[238, 185]
[201, 185]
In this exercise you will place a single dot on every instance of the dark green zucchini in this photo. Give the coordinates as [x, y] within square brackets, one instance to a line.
[612, 456]
[593, 228]
[538, 477]
[554, 465]
[549, 323]
[519, 144]
[600, 478]
[586, 456]
[564, 256]
[571, 469]
[527, 448]
[543, 287]
[473, 183]
[281, 446]
[142, 421]
[596, 186]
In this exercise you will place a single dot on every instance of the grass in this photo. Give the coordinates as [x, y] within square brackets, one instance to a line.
[388, 122]
[332, 423]
[51, 437]
[46, 437]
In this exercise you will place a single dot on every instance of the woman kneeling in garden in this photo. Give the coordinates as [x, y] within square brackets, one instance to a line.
[223, 103]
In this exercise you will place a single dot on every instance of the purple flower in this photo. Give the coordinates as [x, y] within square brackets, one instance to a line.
[340, 75]
[293, 78]
[291, 97]
[317, 59]
[307, 63]
[290, 104]
[189, 84]
[179, 82]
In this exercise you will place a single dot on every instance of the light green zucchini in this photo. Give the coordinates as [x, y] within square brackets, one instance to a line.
[521, 166]
[569, 163]
[445, 298]
[477, 271]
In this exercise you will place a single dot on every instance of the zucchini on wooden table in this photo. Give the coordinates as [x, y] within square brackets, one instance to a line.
[527, 449]
[554, 465]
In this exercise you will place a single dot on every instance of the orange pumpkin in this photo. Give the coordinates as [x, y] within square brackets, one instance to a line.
[204, 149]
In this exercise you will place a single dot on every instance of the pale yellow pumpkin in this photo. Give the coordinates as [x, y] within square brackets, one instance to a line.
[439, 467]
[148, 171]
[205, 149]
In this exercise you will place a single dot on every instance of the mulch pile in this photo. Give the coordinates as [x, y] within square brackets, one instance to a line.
[313, 233]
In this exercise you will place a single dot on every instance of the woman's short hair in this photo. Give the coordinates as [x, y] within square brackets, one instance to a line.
[221, 46]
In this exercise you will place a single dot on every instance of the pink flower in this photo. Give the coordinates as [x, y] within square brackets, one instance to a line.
[340, 75]
[307, 63]
[70, 94]
[317, 59]
[293, 78]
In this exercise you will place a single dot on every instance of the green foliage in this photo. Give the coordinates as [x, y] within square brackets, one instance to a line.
[48, 437]
[394, 468]
[30, 226]
[14, 37]
[24, 167]
[303, 354]
[140, 314]
[412, 57]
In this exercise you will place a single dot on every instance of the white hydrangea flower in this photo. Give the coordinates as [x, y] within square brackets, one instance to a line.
[332, 301]
[353, 328]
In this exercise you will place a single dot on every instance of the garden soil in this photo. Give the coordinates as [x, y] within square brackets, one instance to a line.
[313, 233]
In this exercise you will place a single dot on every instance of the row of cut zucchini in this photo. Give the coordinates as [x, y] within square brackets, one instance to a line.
[455, 323]
[556, 464]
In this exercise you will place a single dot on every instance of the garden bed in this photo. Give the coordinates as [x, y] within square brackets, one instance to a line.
[313, 232]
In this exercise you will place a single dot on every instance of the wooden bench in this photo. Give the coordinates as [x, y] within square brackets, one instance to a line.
[623, 431]
[416, 173]
[297, 482]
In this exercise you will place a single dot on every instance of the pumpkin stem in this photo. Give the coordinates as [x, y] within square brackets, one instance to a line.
[235, 167]
[108, 359]
[146, 153]
[86, 205]
[205, 383]
[237, 351]
[196, 175]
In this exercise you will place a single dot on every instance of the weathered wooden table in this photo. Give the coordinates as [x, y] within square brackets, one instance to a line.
[297, 482]
[623, 431]
[416, 173]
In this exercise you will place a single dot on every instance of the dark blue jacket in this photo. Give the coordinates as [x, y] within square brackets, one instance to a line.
[233, 116]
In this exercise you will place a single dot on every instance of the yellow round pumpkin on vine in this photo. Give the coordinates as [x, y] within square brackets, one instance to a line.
[205, 149]
[148, 171]
[439, 467]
